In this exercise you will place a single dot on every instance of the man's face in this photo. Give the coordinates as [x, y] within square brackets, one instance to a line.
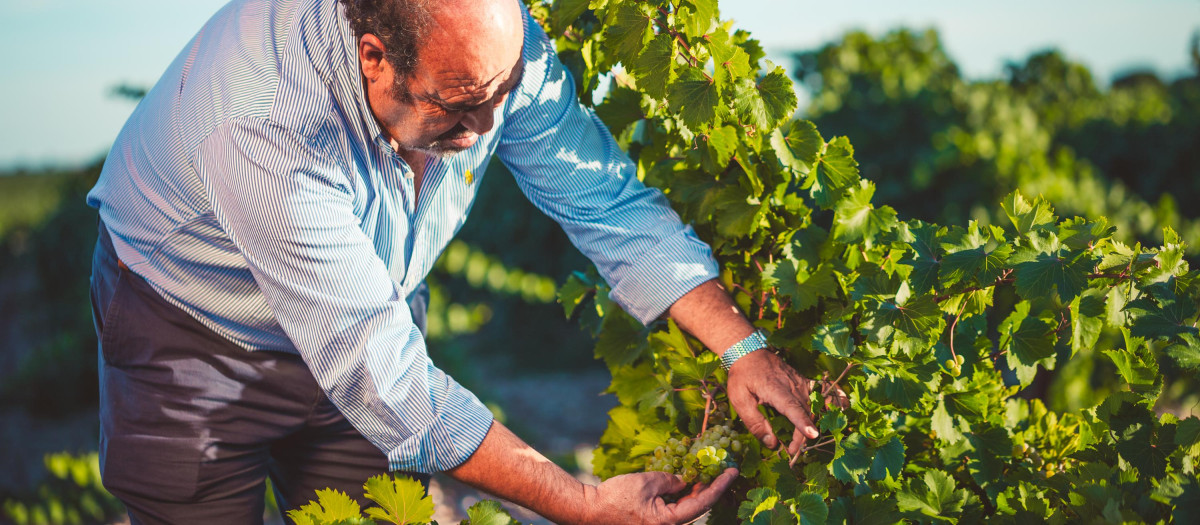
[472, 60]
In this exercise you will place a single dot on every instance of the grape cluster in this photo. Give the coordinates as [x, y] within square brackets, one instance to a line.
[699, 460]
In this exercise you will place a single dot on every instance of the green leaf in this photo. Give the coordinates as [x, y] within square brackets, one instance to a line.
[1066, 273]
[852, 460]
[797, 145]
[1167, 317]
[629, 32]
[333, 506]
[855, 219]
[962, 266]
[701, 17]
[565, 12]
[924, 259]
[810, 509]
[1087, 318]
[933, 495]
[723, 143]
[1026, 216]
[834, 339]
[888, 461]
[401, 500]
[733, 212]
[1132, 368]
[694, 97]
[943, 423]
[573, 292]
[836, 171]
[1031, 342]
[919, 318]
[803, 287]
[487, 512]
[622, 339]
[1185, 356]
[771, 101]
[654, 68]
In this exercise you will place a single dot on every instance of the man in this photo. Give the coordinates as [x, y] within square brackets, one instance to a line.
[268, 215]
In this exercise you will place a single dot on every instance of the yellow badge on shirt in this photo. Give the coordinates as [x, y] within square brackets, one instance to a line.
[469, 177]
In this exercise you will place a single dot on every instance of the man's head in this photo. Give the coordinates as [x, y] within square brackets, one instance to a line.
[434, 71]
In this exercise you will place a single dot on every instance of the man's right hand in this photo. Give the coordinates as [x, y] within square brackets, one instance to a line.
[638, 498]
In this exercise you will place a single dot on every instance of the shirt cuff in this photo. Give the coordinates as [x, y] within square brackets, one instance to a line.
[452, 437]
[661, 276]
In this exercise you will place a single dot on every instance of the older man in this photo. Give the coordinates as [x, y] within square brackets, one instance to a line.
[268, 215]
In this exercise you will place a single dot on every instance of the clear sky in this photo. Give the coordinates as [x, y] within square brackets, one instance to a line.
[61, 58]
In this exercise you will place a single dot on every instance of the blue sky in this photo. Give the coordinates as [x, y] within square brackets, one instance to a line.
[61, 58]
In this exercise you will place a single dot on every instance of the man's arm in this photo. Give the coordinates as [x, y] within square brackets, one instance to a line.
[505, 466]
[708, 313]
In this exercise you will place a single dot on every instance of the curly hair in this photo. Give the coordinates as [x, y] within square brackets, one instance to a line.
[400, 24]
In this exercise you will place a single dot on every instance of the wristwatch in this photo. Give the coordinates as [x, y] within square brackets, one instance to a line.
[752, 342]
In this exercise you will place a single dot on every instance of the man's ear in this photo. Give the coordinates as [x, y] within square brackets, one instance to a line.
[371, 58]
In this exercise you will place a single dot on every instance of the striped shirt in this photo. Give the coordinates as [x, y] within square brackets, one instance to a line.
[253, 189]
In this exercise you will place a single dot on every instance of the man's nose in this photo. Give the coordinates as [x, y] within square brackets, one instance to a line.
[480, 120]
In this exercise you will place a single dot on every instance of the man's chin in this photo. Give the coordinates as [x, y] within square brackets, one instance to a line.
[449, 147]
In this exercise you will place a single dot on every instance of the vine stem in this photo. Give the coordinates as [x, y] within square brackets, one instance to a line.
[953, 325]
[707, 410]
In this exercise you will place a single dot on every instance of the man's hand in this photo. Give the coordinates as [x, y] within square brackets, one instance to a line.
[637, 498]
[762, 378]
[759, 377]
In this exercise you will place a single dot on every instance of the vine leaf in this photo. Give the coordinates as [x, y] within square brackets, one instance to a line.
[933, 495]
[764, 104]
[1026, 216]
[654, 68]
[856, 219]
[487, 512]
[565, 13]
[888, 461]
[694, 97]
[798, 146]
[836, 171]
[629, 32]
[401, 500]
[698, 17]
[852, 460]
[332, 506]
[810, 509]
[1066, 272]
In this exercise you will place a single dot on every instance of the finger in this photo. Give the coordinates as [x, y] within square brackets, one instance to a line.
[695, 504]
[798, 415]
[658, 483]
[758, 425]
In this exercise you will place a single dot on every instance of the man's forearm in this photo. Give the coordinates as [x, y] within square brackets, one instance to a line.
[710, 315]
[507, 467]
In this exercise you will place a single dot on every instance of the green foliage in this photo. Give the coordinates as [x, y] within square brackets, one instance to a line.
[930, 330]
[399, 500]
[72, 494]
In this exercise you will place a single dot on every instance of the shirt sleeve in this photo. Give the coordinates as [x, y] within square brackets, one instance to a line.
[567, 163]
[289, 210]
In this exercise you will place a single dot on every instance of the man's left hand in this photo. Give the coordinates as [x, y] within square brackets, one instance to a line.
[763, 378]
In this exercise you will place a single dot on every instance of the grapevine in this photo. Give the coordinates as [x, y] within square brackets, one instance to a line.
[930, 330]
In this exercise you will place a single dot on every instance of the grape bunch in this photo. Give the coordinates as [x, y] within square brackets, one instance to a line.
[699, 460]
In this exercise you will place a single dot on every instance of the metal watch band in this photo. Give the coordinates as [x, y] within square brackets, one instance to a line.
[752, 342]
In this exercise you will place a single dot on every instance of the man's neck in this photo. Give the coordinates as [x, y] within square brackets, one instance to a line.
[416, 162]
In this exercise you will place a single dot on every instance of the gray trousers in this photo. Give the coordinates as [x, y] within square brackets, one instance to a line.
[191, 425]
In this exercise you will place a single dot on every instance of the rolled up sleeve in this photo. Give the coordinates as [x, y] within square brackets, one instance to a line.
[290, 212]
[567, 163]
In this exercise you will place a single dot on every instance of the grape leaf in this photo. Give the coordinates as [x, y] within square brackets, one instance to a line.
[810, 509]
[702, 15]
[1185, 356]
[629, 32]
[565, 12]
[573, 293]
[1087, 318]
[797, 145]
[694, 96]
[764, 104]
[622, 339]
[401, 500]
[933, 495]
[888, 461]
[834, 339]
[1030, 342]
[852, 460]
[487, 512]
[654, 68]
[855, 219]
[1167, 317]
[962, 266]
[805, 288]
[331, 506]
[836, 171]
[1026, 216]
[1065, 272]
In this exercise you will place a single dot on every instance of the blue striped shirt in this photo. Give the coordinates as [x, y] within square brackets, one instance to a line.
[253, 189]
